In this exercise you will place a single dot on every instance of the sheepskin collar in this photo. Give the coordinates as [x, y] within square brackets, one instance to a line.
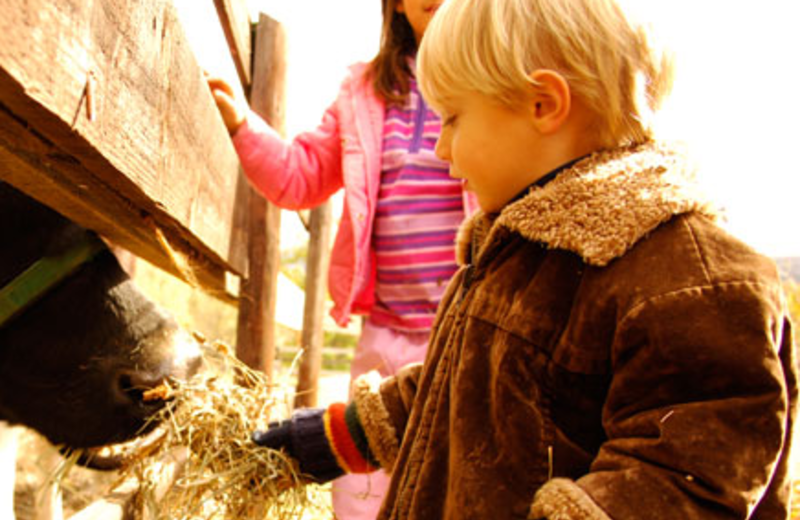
[601, 206]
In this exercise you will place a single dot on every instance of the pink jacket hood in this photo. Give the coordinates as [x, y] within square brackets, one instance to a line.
[344, 151]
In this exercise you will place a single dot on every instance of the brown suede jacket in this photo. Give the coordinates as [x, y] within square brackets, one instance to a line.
[606, 351]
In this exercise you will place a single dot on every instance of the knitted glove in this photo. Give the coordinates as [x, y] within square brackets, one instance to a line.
[327, 443]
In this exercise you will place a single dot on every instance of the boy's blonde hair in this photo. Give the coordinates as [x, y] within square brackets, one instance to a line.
[610, 61]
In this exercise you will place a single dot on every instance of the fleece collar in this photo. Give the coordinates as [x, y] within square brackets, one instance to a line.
[601, 206]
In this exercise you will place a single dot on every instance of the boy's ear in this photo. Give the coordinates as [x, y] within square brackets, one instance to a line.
[551, 100]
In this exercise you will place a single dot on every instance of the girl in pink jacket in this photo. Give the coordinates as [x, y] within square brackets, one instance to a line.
[394, 248]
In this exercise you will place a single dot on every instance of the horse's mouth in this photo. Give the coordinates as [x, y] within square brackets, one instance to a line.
[117, 456]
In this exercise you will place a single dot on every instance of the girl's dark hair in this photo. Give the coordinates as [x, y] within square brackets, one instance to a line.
[389, 70]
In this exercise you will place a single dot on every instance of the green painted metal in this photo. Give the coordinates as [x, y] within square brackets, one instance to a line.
[43, 275]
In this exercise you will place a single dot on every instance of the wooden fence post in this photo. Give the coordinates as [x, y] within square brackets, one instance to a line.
[313, 335]
[255, 344]
[235, 22]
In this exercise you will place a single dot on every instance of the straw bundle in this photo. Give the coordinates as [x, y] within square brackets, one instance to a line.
[225, 475]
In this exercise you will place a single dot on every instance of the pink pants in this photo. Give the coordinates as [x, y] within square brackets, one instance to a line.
[359, 497]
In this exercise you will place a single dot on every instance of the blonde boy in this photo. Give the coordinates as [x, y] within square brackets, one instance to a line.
[605, 350]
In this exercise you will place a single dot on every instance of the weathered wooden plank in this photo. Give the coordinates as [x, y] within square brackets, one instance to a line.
[256, 326]
[235, 20]
[207, 38]
[106, 117]
[316, 287]
[36, 166]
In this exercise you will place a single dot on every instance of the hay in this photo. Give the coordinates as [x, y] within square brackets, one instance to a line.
[225, 475]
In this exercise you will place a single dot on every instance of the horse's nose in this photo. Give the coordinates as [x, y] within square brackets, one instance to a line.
[180, 359]
[187, 357]
[132, 386]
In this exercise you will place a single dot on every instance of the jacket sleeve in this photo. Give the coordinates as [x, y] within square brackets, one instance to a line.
[359, 437]
[699, 413]
[299, 174]
[383, 409]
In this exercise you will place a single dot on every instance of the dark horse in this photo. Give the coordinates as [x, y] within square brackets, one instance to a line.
[79, 343]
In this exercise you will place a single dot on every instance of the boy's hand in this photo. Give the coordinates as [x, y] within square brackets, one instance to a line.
[231, 108]
[302, 437]
[278, 435]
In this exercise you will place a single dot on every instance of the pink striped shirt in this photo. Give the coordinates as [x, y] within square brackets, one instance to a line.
[418, 213]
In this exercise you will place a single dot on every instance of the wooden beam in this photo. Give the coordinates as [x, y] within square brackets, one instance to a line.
[313, 336]
[106, 117]
[255, 342]
[55, 178]
[235, 20]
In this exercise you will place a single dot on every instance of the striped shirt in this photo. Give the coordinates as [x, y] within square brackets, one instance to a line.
[419, 210]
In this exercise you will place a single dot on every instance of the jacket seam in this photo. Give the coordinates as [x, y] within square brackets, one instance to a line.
[704, 287]
[698, 250]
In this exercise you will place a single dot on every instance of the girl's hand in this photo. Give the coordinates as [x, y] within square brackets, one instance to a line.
[231, 108]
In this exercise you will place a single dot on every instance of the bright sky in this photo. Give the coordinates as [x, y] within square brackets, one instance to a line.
[737, 102]
[737, 99]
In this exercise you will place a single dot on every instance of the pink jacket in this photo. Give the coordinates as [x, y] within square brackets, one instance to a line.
[343, 151]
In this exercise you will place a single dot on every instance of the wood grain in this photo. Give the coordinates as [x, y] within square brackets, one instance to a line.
[105, 116]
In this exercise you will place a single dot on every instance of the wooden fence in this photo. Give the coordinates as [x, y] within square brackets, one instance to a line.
[105, 117]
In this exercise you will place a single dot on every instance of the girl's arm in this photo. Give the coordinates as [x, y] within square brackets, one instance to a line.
[299, 174]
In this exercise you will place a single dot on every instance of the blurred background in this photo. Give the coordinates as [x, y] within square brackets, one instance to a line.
[735, 104]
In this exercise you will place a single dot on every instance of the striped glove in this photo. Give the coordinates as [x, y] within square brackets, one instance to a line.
[327, 443]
